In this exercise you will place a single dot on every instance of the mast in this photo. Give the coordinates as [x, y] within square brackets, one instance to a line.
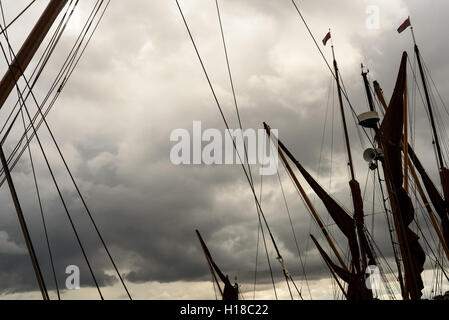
[390, 138]
[14, 72]
[23, 226]
[29, 48]
[230, 292]
[435, 197]
[354, 185]
[346, 224]
[343, 117]
[375, 127]
[209, 259]
[444, 172]
[429, 105]
[380, 94]
[368, 89]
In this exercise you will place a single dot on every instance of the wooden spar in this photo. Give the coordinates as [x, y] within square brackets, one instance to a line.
[400, 232]
[410, 287]
[23, 226]
[7, 84]
[420, 188]
[209, 260]
[443, 169]
[309, 203]
[368, 91]
[429, 105]
[29, 48]
[395, 207]
[380, 95]
[356, 198]
[381, 98]
[343, 117]
[405, 139]
[335, 277]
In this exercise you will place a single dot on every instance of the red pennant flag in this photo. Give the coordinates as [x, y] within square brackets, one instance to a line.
[404, 25]
[326, 38]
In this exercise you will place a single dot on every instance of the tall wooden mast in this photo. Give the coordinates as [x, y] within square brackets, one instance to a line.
[444, 172]
[429, 104]
[369, 95]
[375, 127]
[14, 72]
[343, 117]
[355, 187]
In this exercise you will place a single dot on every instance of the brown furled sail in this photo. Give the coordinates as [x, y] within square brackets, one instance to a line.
[437, 200]
[390, 136]
[359, 218]
[344, 222]
[230, 291]
[444, 174]
[357, 289]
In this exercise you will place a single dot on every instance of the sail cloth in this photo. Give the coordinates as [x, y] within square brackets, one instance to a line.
[230, 291]
[435, 197]
[344, 222]
[326, 38]
[355, 277]
[360, 221]
[391, 132]
[444, 173]
[404, 25]
[356, 287]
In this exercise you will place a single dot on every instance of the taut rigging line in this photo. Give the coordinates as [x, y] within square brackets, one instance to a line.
[285, 271]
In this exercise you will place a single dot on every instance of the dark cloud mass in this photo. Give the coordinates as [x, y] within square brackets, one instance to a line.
[140, 79]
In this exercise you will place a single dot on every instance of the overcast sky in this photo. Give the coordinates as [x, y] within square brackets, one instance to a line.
[140, 79]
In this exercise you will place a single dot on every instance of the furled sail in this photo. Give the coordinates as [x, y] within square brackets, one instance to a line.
[390, 135]
[344, 222]
[356, 288]
[230, 291]
[359, 218]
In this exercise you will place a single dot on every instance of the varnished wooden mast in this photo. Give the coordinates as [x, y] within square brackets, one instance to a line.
[358, 218]
[29, 48]
[343, 117]
[429, 105]
[209, 261]
[418, 183]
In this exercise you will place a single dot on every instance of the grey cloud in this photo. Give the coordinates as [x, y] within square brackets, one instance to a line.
[140, 79]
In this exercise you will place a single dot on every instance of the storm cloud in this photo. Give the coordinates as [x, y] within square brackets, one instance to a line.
[140, 79]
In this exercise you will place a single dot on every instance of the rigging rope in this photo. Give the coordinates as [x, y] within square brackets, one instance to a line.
[227, 127]
[66, 69]
[294, 233]
[51, 172]
[65, 163]
[16, 18]
[231, 81]
[5, 33]
[328, 65]
[260, 229]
